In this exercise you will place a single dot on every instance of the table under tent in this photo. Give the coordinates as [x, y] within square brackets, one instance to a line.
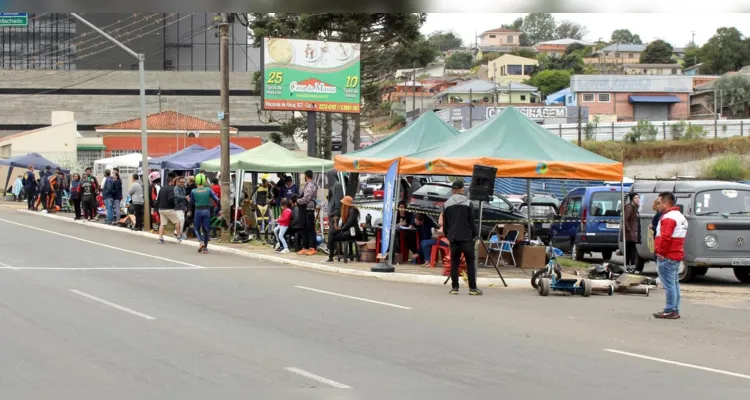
[266, 158]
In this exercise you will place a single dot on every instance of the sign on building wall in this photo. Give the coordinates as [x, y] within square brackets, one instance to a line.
[14, 19]
[532, 112]
[631, 84]
[310, 75]
[545, 115]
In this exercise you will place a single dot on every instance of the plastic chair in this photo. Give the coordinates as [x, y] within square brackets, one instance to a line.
[440, 248]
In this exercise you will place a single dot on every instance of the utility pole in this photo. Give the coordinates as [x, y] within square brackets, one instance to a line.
[471, 110]
[695, 55]
[414, 89]
[144, 133]
[580, 118]
[224, 67]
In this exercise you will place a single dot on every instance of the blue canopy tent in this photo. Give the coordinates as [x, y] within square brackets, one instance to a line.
[193, 161]
[158, 162]
[33, 159]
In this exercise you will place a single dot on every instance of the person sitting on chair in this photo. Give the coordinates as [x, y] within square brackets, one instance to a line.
[349, 229]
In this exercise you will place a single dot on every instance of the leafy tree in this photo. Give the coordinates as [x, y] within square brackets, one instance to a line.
[574, 47]
[625, 36]
[691, 55]
[526, 53]
[657, 52]
[571, 62]
[723, 52]
[459, 60]
[419, 53]
[445, 40]
[734, 92]
[539, 27]
[570, 30]
[517, 25]
[275, 137]
[550, 81]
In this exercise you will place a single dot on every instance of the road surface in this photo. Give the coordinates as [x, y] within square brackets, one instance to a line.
[88, 309]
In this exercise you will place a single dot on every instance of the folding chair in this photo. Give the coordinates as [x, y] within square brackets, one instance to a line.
[507, 244]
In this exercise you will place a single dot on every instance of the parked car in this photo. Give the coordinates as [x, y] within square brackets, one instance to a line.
[718, 215]
[431, 197]
[336, 142]
[543, 210]
[364, 142]
[589, 221]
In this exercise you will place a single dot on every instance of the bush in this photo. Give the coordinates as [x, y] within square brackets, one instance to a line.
[641, 132]
[396, 121]
[727, 168]
[678, 130]
[590, 131]
[695, 132]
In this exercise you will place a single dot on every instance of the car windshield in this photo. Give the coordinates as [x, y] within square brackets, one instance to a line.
[605, 204]
[434, 190]
[375, 180]
[539, 210]
[500, 203]
[722, 201]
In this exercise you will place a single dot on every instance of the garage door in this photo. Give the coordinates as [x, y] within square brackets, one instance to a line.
[651, 111]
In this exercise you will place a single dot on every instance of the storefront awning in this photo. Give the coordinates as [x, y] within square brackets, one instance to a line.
[91, 147]
[654, 99]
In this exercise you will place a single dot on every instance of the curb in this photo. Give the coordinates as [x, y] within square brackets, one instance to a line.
[513, 283]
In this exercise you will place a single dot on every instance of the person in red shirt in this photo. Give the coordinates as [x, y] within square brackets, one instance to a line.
[282, 224]
[669, 245]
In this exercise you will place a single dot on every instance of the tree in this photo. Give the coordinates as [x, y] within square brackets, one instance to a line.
[539, 27]
[459, 60]
[691, 55]
[643, 131]
[550, 81]
[734, 93]
[571, 62]
[445, 41]
[525, 53]
[723, 52]
[657, 52]
[419, 53]
[624, 36]
[570, 30]
[574, 47]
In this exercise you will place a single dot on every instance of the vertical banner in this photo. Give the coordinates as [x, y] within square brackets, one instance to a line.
[389, 199]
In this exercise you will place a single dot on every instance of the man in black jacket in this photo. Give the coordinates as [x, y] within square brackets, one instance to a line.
[165, 204]
[459, 227]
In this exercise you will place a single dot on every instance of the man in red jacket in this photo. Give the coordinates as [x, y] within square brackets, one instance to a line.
[669, 248]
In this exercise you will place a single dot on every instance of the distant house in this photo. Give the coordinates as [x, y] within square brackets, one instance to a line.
[481, 91]
[692, 71]
[557, 47]
[653, 69]
[510, 68]
[621, 53]
[500, 37]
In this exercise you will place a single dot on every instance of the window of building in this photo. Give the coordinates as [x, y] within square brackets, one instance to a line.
[588, 98]
[515, 70]
[570, 99]
[604, 97]
[509, 39]
[523, 97]
[5, 151]
[87, 157]
[492, 36]
[630, 55]
[606, 53]
[528, 70]
[617, 55]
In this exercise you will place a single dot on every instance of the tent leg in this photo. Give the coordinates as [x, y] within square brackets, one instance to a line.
[387, 265]
[7, 180]
[530, 226]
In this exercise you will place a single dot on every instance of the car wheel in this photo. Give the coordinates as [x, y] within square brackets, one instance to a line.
[607, 255]
[743, 274]
[700, 271]
[576, 253]
[687, 273]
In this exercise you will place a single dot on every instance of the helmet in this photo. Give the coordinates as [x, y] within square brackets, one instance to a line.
[200, 179]
[155, 175]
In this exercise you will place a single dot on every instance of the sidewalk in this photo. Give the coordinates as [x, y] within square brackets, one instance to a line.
[486, 277]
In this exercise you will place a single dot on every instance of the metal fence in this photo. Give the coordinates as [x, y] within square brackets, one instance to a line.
[616, 131]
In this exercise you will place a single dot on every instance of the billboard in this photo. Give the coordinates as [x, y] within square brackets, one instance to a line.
[310, 75]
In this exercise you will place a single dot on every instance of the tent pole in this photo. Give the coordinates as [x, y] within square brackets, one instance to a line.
[528, 208]
[622, 225]
[7, 180]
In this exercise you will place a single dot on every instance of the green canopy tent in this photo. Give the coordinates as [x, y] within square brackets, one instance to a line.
[426, 131]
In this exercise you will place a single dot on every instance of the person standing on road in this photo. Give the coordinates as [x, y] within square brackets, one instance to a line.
[137, 200]
[165, 203]
[655, 221]
[203, 198]
[181, 204]
[75, 195]
[458, 220]
[669, 247]
[30, 186]
[308, 200]
[632, 232]
[108, 189]
[116, 194]
[88, 198]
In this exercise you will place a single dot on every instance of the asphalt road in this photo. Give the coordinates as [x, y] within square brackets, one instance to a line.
[84, 308]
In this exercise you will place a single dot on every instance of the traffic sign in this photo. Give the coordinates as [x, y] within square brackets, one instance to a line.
[220, 115]
[14, 19]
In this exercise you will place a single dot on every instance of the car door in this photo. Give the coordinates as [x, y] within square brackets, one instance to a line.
[570, 215]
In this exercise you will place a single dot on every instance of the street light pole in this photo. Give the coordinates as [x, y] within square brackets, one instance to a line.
[224, 164]
[144, 134]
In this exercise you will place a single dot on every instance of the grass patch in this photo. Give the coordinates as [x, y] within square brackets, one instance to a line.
[728, 168]
[566, 262]
[693, 149]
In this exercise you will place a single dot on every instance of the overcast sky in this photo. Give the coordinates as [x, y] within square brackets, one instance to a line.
[674, 28]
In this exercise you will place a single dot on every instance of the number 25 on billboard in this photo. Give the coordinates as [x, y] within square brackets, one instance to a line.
[276, 78]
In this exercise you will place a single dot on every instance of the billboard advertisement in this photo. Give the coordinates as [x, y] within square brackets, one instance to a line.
[310, 75]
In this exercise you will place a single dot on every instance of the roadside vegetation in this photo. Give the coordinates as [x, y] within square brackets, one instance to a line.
[652, 150]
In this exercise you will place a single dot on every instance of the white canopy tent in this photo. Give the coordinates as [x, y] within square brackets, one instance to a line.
[128, 164]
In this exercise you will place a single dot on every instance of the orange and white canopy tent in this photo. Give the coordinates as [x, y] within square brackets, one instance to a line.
[518, 147]
[425, 132]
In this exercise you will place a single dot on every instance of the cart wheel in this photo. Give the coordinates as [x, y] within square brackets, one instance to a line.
[544, 287]
[586, 286]
[611, 290]
[648, 289]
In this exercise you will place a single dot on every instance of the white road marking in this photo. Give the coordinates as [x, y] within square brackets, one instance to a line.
[113, 305]
[6, 266]
[354, 298]
[103, 245]
[317, 378]
[661, 360]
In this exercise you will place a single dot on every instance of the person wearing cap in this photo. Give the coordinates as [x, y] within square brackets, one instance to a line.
[201, 198]
[462, 232]
[349, 229]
